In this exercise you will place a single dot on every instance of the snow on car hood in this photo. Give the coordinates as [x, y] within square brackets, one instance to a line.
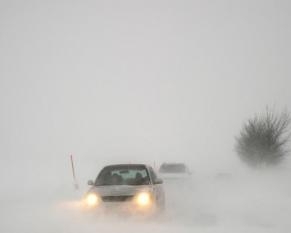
[119, 190]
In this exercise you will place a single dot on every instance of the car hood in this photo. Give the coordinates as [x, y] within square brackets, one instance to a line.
[120, 190]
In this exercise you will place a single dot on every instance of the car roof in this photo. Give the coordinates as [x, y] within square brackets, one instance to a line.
[172, 164]
[127, 165]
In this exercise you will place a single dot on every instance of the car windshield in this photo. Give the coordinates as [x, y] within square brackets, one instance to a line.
[123, 175]
[173, 168]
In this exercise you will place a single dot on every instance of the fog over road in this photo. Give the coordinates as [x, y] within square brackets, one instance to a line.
[141, 81]
[203, 203]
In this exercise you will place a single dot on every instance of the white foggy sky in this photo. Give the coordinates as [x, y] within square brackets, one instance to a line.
[118, 79]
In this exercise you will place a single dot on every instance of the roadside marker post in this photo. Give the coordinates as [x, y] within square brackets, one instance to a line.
[73, 172]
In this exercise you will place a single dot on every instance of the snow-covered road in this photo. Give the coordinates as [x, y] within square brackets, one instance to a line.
[203, 204]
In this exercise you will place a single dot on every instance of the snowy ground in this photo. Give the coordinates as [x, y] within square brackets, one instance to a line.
[207, 203]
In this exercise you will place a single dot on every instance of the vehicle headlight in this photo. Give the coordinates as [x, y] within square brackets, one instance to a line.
[92, 199]
[143, 199]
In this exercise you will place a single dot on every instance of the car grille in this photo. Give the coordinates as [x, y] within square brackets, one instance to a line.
[116, 198]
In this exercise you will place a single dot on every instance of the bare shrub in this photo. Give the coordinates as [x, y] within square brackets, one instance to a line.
[263, 139]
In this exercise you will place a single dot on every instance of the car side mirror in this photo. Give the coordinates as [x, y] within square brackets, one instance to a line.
[90, 182]
[158, 181]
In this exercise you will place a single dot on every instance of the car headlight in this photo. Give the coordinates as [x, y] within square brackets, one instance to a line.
[92, 199]
[143, 199]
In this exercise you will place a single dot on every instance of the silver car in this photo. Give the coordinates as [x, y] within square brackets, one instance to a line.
[126, 187]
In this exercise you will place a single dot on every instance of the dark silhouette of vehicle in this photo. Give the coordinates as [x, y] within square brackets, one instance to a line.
[174, 170]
